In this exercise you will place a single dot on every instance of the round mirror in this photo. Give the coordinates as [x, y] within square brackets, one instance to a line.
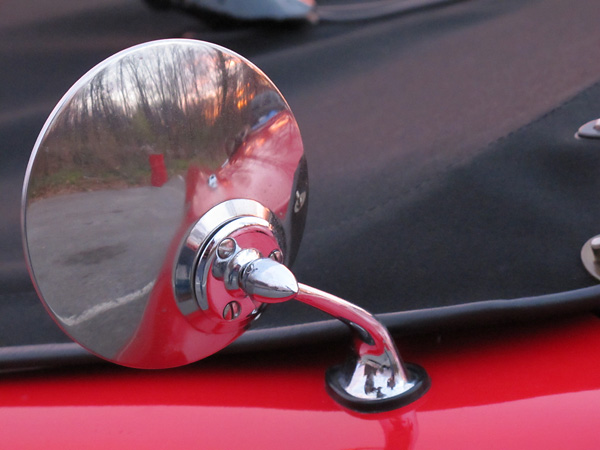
[130, 160]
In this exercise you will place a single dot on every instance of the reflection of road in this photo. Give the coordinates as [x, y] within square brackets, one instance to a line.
[96, 254]
[45, 47]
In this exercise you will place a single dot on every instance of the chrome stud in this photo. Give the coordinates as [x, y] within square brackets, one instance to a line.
[595, 245]
[590, 130]
[590, 256]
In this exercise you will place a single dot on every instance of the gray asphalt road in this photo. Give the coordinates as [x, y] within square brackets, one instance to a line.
[44, 48]
[96, 255]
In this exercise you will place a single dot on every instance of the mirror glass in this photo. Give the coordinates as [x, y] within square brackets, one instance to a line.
[132, 156]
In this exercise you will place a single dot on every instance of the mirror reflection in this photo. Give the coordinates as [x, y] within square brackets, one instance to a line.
[132, 156]
[150, 116]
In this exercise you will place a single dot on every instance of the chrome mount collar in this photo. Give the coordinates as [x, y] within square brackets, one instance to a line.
[198, 251]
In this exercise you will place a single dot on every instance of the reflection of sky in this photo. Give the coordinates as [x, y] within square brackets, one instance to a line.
[169, 74]
[167, 80]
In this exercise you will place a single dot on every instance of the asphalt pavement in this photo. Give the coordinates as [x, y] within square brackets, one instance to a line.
[46, 47]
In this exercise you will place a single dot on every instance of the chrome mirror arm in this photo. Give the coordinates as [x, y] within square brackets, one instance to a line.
[375, 378]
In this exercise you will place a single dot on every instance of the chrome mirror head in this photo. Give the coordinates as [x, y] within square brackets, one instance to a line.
[136, 152]
[164, 199]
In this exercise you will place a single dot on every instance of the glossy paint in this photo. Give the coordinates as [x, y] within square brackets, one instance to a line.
[531, 386]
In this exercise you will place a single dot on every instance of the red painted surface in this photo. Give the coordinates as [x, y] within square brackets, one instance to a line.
[164, 337]
[535, 386]
[158, 170]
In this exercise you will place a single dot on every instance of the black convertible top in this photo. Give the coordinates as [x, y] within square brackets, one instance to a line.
[446, 182]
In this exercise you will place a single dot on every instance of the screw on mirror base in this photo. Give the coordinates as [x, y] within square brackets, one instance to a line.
[337, 380]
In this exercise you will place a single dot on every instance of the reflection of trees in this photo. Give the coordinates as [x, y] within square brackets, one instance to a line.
[182, 101]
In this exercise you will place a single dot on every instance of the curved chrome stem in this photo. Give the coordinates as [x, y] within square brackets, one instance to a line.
[376, 371]
[376, 353]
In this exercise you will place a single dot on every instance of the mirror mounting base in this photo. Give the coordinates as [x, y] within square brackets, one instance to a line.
[337, 379]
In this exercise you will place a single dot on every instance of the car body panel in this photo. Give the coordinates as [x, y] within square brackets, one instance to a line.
[506, 387]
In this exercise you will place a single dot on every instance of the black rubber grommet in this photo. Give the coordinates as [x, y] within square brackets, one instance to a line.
[335, 379]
